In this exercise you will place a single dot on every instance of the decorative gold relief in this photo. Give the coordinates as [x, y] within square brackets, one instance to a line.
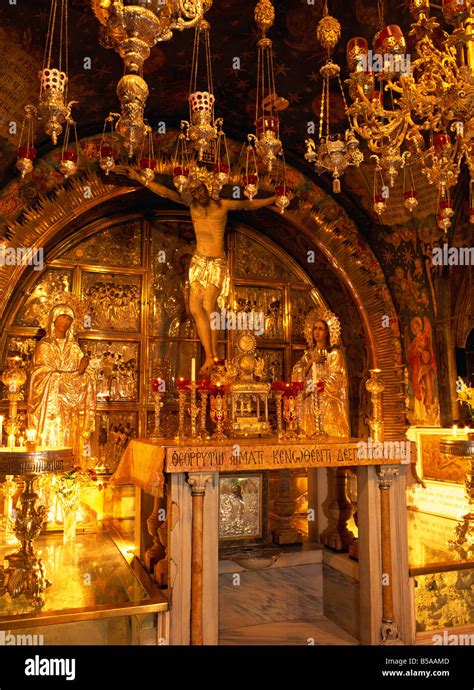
[170, 360]
[273, 364]
[267, 306]
[253, 260]
[301, 303]
[240, 506]
[114, 300]
[52, 282]
[25, 347]
[117, 366]
[112, 435]
[117, 246]
[171, 256]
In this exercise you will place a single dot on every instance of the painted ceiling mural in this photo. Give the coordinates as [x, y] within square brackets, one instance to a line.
[402, 247]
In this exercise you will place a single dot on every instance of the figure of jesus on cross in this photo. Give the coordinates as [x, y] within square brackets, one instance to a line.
[209, 278]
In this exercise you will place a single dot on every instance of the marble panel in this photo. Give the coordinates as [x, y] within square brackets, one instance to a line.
[270, 595]
[312, 632]
[341, 600]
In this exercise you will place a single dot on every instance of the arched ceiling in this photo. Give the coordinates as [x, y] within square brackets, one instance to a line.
[298, 58]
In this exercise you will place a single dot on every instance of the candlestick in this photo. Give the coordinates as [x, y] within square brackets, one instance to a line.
[31, 440]
[157, 395]
[455, 430]
[11, 441]
[22, 441]
[1, 431]
[204, 396]
[182, 403]
[279, 396]
[193, 370]
[9, 490]
[43, 440]
[218, 412]
[193, 408]
[289, 412]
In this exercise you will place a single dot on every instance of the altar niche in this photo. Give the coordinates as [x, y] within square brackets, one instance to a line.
[139, 328]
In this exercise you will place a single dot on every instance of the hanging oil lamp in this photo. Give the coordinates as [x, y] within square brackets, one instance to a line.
[147, 161]
[69, 152]
[335, 152]
[250, 178]
[107, 148]
[26, 151]
[267, 122]
[181, 163]
[201, 129]
[53, 108]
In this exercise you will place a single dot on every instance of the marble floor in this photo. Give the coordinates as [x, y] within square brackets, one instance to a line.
[311, 631]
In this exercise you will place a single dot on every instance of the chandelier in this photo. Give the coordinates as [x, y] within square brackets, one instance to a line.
[132, 29]
[334, 152]
[425, 105]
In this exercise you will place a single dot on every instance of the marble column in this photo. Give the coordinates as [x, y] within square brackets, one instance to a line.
[197, 482]
[389, 630]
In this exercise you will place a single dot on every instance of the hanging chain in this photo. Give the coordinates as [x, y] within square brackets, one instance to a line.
[381, 13]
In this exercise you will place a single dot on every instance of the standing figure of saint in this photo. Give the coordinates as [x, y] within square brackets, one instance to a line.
[209, 277]
[322, 330]
[62, 394]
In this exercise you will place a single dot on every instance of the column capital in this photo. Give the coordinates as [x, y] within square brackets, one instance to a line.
[197, 481]
[385, 475]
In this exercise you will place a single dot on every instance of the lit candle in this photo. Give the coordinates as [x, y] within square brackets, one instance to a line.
[43, 440]
[1, 430]
[455, 430]
[22, 441]
[193, 370]
[31, 435]
[11, 441]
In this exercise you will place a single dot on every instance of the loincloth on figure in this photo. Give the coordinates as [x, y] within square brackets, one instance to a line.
[208, 270]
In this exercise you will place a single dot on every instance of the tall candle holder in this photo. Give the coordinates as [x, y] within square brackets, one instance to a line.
[182, 385]
[9, 490]
[218, 412]
[375, 386]
[158, 391]
[157, 398]
[278, 388]
[204, 386]
[289, 413]
[13, 378]
[194, 408]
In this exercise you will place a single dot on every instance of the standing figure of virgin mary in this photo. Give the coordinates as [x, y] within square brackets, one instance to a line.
[322, 330]
[62, 396]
